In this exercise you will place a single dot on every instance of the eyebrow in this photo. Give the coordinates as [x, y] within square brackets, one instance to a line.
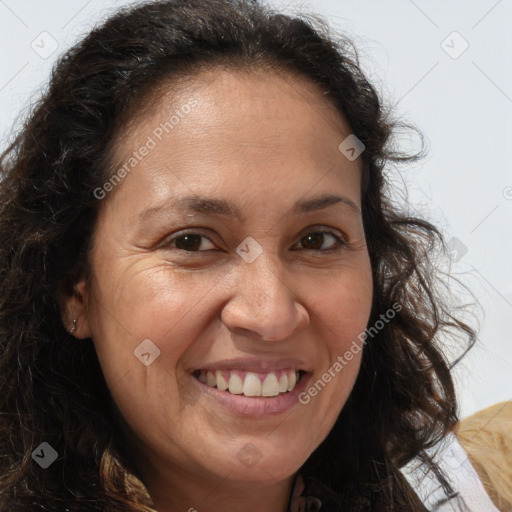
[213, 206]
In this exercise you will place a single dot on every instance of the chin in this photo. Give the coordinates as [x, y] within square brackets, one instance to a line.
[247, 463]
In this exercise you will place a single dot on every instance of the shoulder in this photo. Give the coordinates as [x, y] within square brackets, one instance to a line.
[486, 437]
[390, 493]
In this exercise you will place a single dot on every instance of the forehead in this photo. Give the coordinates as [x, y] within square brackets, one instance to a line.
[241, 99]
[275, 130]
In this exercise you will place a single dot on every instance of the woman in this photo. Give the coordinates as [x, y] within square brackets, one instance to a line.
[287, 359]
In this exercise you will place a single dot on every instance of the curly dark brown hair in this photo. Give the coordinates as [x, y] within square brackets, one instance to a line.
[52, 387]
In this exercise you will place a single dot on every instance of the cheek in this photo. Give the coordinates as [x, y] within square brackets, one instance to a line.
[346, 307]
[159, 305]
[344, 310]
[164, 307]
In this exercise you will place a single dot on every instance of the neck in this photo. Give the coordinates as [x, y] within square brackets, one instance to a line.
[219, 495]
[182, 491]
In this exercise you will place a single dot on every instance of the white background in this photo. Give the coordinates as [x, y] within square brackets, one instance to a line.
[462, 105]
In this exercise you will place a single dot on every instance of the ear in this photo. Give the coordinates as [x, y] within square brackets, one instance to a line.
[73, 301]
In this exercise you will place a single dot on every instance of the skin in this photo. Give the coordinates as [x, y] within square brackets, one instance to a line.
[262, 140]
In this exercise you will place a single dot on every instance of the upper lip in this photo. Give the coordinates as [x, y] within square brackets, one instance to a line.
[256, 364]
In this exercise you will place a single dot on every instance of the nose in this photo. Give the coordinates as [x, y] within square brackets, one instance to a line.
[263, 305]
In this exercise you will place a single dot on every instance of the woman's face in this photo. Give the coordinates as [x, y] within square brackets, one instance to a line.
[216, 262]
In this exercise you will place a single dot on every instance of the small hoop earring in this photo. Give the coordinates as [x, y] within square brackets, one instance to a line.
[74, 326]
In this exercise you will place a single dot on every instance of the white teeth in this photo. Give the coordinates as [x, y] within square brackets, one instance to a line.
[292, 380]
[222, 383]
[283, 383]
[236, 385]
[250, 384]
[270, 385]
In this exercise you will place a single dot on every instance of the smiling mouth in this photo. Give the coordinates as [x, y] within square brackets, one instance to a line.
[251, 384]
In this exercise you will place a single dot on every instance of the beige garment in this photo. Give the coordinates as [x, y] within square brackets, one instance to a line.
[486, 436]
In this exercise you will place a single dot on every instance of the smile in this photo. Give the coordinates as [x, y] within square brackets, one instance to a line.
[251, 384]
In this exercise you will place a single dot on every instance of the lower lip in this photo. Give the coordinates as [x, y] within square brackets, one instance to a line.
[242, 405]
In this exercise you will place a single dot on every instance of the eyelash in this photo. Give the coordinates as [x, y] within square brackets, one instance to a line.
[339, 245]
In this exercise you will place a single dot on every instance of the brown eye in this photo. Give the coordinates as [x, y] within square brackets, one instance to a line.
[191, 242]
[314, 241]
